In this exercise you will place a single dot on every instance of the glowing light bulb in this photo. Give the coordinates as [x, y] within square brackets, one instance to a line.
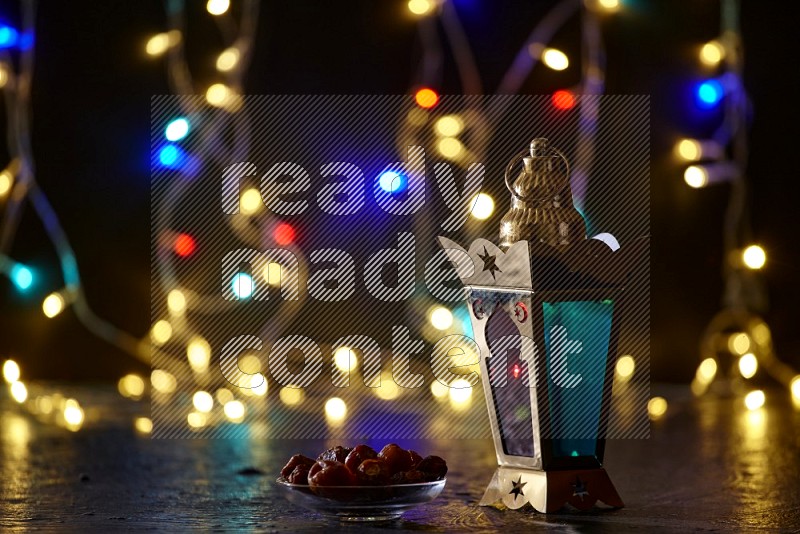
[709, 93]
[161, 42]
[748, 365]
[218, 7]
[695, 176]
[19, 392]
[441, 318]
[203, 401]
[739, 343]
[250, 201]
[482, 206]
[460, 394]
[450, 147]
[131, 386]
[712, 53]
[21, 276]
[184, 245]
[161, 332]
[449, 126]
[53, 304]
[392, 182]
[163, 381]
[242, 285]
[754, 257]
[234, 410]
[625, 367]
[284, 234]
[177, 129]
[426, 98]
[198, 351]
[11, 372]
[563, 100]
[555, 59]
[335, 410]
[754, 400]
[176, 301]
[143, 425]
[228, 59]
[291, 396]
[657, 407]
[706, 371]
[420, 7]
[345, 359]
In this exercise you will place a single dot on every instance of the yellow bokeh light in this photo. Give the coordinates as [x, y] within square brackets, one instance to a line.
[3, 76]
[291, 396]
[608, 5]
[335, 410]
[163, 381]
[11, 372]
[460, 394]
[441, 318]
[795, 388]
[272, 274]
[439, 390]
[143, 425]
[712, 53]
[695, 176]
[689, 150]
[258, 385]
[739, 343]
[18, 391]
[197, 419]
[555, 59]
[754, 257]
[250, 202]
[234, 410]
[203, 401]
[625, 367]
[53, 304]
[748, 365]
[161, 332]
[228, 59]
[754, 400]
[44, 405]
[6, 179]
[449, 125]
[161, 42]
[388, 390]
[657, 407]
[420, 7]
[218, 94]
[198, 351]
[131, 386]
[218, 7]
[706, 371]
[761, 333]
[450, 147]
[250, 364]
[224, 396]
[345, 359]
[73, 414]
[482, 206]
[176, 301]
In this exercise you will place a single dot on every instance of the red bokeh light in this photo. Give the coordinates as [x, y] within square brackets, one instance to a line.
[426, 98]
[184, 245]
[563, 99]
[284, 234]
[516, 370]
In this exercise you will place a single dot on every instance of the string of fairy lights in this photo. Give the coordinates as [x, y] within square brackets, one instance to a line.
[17, 184]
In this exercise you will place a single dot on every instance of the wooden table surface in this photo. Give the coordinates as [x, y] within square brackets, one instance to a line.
[709, 465]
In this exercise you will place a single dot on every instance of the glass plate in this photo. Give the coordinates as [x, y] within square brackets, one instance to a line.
[362, 503]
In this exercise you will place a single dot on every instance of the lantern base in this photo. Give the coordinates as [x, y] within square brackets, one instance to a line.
[548, 491]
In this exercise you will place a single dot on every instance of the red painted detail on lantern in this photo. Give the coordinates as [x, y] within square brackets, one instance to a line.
[185, 245]
[284, 234]
[563, 99]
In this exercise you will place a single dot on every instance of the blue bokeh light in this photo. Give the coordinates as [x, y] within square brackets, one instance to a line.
[171, 156]
[392, 182]
[21, 276]
[242, 285]
[177, 129]
[709, 93]
[8, 36]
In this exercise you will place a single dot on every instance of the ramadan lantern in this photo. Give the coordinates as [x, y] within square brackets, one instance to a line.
[544, 305]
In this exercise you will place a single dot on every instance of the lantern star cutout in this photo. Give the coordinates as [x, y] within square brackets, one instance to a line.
[579, 488]
[489, 262]
[516, 489]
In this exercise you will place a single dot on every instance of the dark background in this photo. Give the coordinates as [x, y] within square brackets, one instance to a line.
[91, 98]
